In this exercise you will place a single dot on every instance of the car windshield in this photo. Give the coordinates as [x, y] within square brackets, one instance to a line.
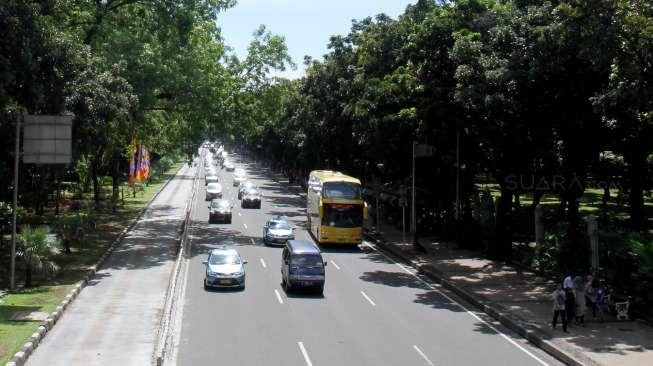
[306, 260]
[279, 225]
[252, 192]
[213, 187]
[219, 204]
[345, 190]
[219, 259]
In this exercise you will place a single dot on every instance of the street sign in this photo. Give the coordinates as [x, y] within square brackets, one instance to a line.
[423, 150]
[47, 139]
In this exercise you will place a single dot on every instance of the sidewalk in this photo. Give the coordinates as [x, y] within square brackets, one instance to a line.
[521, 301]
[114, 320]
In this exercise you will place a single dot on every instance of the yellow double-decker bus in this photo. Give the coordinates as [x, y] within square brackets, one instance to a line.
[335, 208]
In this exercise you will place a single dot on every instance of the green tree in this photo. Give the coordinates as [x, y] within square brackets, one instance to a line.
[34, 249]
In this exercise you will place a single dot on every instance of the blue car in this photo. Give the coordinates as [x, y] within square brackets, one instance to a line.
[302, 265]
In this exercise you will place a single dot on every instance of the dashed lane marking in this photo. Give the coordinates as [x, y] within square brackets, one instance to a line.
[335, 265]
[368, 298]
[423, 355]
[305, 354]
[278, 296]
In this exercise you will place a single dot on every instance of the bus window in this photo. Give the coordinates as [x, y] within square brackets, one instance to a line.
[343, 190]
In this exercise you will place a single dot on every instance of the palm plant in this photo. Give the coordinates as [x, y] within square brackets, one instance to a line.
[35, 246]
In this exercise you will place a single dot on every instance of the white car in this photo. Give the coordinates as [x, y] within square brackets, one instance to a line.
[229, 166]
[210, 178]
[238, 179]
[213, 190]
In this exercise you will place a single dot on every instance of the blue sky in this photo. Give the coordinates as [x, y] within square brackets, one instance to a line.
[306, 24]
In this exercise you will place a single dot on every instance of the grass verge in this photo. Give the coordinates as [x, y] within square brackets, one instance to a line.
[49, 293]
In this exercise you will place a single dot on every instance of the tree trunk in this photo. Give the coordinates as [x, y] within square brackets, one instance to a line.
[577, 248]
[66, 244]
[503, 234]
[114, 191]
[96, 181]
[537, 197]
[28, 275]
[636, 197]
[605, 199]
[562, 209]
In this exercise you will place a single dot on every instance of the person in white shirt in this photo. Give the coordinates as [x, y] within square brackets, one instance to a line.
[568, 283]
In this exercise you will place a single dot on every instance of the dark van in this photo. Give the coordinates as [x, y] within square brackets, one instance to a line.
[302, 265]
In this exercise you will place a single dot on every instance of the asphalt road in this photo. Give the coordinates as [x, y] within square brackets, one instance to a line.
[374, 311]
[114, 320]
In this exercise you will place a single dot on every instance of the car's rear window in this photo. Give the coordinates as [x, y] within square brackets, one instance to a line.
[220, 204]
[213, 186]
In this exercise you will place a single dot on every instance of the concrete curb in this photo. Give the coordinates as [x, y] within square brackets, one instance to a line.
[35, 339]
[530, 333]
[163, 344]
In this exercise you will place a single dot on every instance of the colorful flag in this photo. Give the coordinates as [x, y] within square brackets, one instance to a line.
[139, 164]
[132, 162]
[144, 167]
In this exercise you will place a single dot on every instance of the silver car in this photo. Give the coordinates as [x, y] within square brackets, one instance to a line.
[229, 166]
[251, 198]
[224, 267]
[243, 187]
[213, 190]
[277, 231]
[211, 178]
[238, 178]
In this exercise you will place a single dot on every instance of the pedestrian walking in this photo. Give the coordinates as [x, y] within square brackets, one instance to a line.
[570, 304]
[559, 298]
[590, 294]
[568, 282]
[579, 295]
[601, 300]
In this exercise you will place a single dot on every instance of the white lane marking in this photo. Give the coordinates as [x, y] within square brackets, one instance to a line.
[334, 264]
[278, 296]
[305, 354]
[245, 225]
[263, 263]
[239, 214]
[431, 287]
[423, 355]
[252, 240]
[368, 298]
[404, 268]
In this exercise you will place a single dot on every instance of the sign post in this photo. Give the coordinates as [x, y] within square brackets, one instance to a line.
[46, 140]
[12, 281]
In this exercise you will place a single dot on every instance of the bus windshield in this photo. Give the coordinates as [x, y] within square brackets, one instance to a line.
[346, 216]
[344, 190]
